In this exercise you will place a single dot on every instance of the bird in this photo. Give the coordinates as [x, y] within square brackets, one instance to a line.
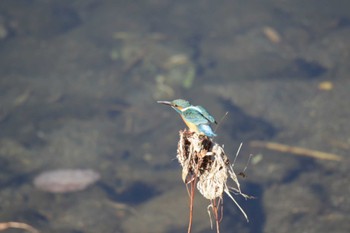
[196, 118]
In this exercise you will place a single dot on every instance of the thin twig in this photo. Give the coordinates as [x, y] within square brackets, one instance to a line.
[216, 214]
[192, 190]
[296, 150]
[18, 225]
[220, 121]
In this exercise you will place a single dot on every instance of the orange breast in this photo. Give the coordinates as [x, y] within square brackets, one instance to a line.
[190, 125]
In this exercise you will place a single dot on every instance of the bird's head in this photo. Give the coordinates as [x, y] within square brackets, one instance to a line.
[177, 104]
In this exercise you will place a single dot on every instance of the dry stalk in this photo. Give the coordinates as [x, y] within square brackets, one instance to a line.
[205, 165]
[296, 150]
[18, 225]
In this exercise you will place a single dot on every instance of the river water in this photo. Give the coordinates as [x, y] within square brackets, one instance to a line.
[79, 81]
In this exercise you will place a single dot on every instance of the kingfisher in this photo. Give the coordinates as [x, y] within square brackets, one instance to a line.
[195, 117]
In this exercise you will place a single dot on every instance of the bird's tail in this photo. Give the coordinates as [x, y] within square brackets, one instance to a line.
[207, 130]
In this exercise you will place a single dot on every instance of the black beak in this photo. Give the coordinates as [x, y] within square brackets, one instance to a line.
[165, 102]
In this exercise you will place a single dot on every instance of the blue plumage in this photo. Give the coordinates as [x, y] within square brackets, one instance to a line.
[196, 118]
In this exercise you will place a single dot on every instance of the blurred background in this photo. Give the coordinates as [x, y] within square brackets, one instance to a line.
[79, 81]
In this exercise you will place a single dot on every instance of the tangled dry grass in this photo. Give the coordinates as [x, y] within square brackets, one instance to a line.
[206, 166]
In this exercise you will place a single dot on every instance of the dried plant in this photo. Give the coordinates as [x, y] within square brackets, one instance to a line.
[205, 165]
[18, 225]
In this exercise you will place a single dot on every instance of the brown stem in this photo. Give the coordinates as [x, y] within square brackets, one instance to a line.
[216, 204]
[192, 190]
[216, 214]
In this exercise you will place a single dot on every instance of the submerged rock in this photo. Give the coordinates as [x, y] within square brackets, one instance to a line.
[65, 180]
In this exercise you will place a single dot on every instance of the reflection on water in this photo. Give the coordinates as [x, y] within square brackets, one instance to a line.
[79, 84]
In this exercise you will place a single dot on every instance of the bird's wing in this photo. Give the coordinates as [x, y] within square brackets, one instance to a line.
[206, 114]
[194, 117]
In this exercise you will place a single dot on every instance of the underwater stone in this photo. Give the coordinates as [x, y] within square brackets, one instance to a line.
[65, 180]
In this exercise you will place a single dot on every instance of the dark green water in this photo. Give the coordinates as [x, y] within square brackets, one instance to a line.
[79, 81]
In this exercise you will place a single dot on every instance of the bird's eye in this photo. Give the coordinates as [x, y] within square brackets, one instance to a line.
[175, 105]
